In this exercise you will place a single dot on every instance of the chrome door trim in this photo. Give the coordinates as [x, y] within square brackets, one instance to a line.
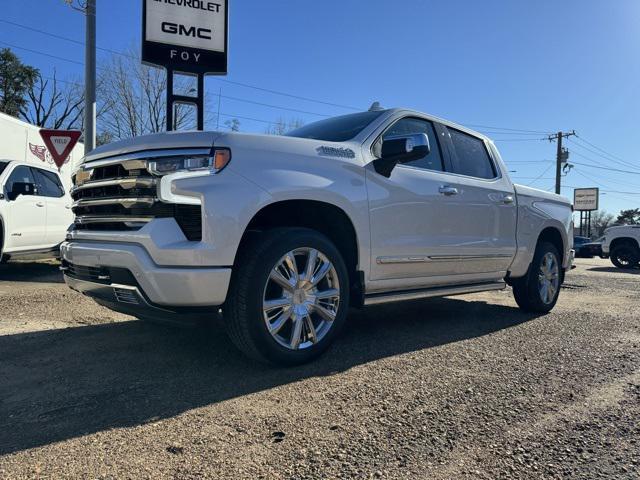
[437, 258]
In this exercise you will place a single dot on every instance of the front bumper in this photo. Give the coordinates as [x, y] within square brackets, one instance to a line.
[149, 286]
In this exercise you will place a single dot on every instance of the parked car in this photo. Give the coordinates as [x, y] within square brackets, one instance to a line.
[585, 248]
[578, 243]
[285, 233]
[594, 248]
[622, 245]
[35, 211]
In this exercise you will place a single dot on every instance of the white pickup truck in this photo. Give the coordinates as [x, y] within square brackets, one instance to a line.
[622, 245]
[35, 211]
[285, 233]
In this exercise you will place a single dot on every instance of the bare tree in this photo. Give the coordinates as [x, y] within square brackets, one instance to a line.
[233, 124]
[54, 105]
[600, 221]
[132, 99]
[282, 126]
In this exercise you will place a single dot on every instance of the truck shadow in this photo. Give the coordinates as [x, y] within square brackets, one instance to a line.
[632, 271]
[31, 272]
[61, 384]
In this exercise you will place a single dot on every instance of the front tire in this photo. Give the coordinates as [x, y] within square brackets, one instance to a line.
[538, 291]
[288, 298]
[625, 256]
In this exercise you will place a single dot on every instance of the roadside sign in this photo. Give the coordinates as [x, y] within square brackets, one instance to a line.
[186, 36]
[586, 199]
[60, 143]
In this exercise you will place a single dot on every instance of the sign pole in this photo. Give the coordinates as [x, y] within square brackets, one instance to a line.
[170, 100]
[200, 101]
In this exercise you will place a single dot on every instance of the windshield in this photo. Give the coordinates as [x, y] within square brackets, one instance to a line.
[3, 165]
[337, 129]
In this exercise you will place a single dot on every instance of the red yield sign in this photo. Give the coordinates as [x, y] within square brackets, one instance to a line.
[60, 143]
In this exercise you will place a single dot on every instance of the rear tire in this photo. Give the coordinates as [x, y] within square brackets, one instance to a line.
[288, 298]
[625, 256]
[538, 290]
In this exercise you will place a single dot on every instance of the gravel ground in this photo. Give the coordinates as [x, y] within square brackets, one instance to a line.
[465, 387]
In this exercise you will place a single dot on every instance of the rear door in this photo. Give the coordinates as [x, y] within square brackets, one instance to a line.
[59, 215]
[26, 215]
[482, 205]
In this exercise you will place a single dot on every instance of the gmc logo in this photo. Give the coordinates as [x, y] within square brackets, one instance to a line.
[178, 29]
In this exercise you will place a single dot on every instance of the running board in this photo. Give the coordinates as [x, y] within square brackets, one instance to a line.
[401, 296]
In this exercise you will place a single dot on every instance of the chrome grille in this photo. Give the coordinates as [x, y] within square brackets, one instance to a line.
[120, 194]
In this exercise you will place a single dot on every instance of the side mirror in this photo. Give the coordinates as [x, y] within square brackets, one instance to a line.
[401, 149]
[22, 188]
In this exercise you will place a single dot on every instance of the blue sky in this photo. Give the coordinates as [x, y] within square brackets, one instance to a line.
[538, 66]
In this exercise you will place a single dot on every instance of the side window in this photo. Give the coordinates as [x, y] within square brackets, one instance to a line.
[409, 126]
[49, 183]
[20, 174]
[470, 156]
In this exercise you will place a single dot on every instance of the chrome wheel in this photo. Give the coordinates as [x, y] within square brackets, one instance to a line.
[548, 278]
[301, 298]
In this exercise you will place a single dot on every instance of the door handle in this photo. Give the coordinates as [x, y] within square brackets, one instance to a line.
[448, 191]
[68, 207]
[40, 204]
[508, 199]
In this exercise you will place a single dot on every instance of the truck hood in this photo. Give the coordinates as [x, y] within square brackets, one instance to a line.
[541, 194]
[158, 141]
[297, 147]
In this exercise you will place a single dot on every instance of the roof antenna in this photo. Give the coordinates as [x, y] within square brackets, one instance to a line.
[376, 107]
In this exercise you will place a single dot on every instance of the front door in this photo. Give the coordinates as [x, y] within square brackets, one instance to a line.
[410, 221]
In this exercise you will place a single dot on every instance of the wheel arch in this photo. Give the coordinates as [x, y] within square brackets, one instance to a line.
[2, 237]
[624, 241]
[323, 217]
[553, 236]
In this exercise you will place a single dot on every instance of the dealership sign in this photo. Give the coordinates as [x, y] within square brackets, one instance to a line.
[189, 36]
[586, 199]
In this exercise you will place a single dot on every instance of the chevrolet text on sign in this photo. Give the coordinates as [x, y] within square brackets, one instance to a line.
[186, 35]
[585, 199]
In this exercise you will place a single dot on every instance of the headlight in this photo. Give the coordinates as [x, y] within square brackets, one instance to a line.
[215, 162]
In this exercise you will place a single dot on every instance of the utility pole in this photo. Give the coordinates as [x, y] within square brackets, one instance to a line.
[88, 9]
[90, 78]
[560, 156]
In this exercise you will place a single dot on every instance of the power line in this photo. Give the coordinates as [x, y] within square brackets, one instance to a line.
[628, 164]
[518, 139]
[507, 129]
[231, 82]
[610, 159]
[606, 168]
[43, 53]
[273, 106]
[541, 175]
[527, 161]
[597, 182]
[60, 37]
